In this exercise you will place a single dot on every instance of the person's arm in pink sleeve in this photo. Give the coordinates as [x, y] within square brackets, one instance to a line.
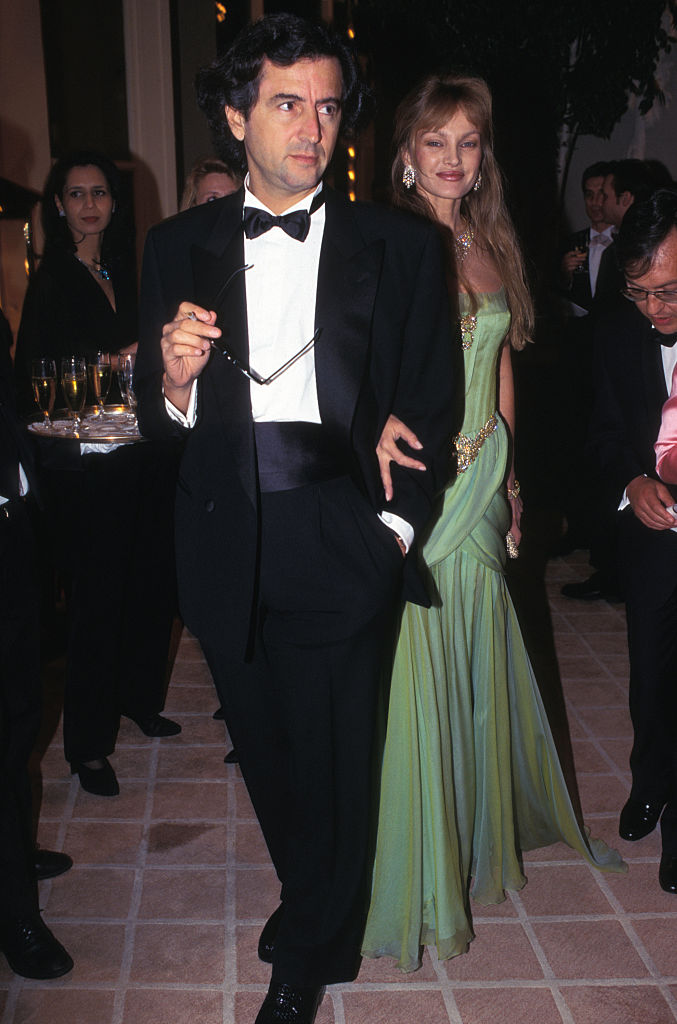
[666, 445]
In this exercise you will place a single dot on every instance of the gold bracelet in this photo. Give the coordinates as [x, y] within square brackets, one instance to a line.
[513, 492]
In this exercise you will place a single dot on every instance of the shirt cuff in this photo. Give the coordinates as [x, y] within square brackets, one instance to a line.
[399, 526]
[188, 418]
[625, 501]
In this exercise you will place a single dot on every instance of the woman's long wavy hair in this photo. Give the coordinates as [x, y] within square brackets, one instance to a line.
[429, 106]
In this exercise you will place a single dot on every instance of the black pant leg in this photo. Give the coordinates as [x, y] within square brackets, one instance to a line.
[302, 716]
[20, 704]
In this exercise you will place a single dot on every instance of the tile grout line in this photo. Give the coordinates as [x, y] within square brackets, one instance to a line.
[548, 972]
[123, 984]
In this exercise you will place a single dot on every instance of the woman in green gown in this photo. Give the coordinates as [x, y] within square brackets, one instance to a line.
[470, 775]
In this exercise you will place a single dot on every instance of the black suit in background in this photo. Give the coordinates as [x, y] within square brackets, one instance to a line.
[630, 391]
[587, 504]
[304, 581]
[20, 680]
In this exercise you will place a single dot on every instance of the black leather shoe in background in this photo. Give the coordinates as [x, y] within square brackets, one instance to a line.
[638, 819]
[595, 588]
[50, 863]
[269, 935]
[287, 1005]
[32, 951]
[101, 781]
[667, 873]
[157, 726]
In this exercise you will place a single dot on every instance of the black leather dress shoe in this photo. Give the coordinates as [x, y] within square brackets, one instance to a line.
[287, 1005]
[32, 951]
[595, 588]
[638, 819]
[50, 863]
[100, 781]
[269, 935]
[219, 714]
[157, 725]
[667, 873]
[231, 757]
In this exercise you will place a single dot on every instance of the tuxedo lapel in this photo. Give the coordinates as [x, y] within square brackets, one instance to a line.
[346, 291]
[219, 280]
[653, 378]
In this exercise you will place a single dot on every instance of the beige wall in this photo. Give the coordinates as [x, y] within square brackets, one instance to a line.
[24, 138]
[24, 134]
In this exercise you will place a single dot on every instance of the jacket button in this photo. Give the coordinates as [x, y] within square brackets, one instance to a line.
[209, 505]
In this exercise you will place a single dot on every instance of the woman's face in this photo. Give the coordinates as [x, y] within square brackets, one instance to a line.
[87, 202]
[214, 186]
[447, 160]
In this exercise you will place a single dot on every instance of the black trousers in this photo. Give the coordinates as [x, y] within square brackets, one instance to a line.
[113, 525]
[20, 705]
[302, 714]
[649, 578]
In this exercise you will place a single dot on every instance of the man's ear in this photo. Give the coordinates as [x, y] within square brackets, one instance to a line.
[236, 122]
[627, 199]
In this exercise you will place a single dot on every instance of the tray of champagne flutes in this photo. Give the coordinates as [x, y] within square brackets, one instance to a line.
[92, 424]
[115, 425]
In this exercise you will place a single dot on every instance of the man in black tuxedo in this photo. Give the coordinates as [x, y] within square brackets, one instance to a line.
[586, 275]
[591, 281]
[279, 341]
[635, 357]
[25, 939]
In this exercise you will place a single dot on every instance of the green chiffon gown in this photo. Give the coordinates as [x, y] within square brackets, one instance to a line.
[470, 775]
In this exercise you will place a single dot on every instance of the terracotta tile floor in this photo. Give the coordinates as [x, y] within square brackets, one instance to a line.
[172, 882]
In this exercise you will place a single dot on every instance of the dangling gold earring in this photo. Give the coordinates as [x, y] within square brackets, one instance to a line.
[408, 176]
[478, 184]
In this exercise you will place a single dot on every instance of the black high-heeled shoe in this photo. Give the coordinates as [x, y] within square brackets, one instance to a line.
[100, 781]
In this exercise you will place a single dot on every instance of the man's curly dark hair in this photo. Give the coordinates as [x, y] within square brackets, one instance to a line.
[233, 79]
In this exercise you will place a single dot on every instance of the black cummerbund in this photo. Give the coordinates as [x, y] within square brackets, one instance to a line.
[295, 455]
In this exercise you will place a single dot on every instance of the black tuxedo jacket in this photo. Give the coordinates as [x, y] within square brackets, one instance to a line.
[15, 444]
[630, 390]
[610, 279]
[386, 345]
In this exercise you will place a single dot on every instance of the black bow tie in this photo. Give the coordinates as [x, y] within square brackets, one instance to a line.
[296, 225]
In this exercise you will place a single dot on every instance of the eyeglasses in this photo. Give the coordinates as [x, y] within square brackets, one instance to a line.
[642, 294]
[248, 371]
[252, 375]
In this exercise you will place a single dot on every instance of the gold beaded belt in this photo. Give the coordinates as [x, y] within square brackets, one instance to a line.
[468, 446]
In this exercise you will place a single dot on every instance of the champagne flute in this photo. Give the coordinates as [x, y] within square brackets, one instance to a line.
[43, 376]
[126, 380]
[74, 386]
[99, 370]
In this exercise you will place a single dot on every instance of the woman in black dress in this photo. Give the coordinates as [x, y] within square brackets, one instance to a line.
[111, 506]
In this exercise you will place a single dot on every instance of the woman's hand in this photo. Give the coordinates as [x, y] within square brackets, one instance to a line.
[388, 451]
[186, 342]
[516, 506]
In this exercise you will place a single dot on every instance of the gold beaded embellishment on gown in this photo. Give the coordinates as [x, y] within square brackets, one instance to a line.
[468, 326]
[468, 446]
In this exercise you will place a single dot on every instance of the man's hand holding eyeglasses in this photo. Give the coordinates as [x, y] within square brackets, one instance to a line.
[186, 343]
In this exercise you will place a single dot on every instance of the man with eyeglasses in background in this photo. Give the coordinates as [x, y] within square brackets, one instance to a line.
[280, 328]
[634, 361]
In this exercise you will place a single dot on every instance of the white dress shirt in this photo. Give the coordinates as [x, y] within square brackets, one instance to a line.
[597, 243]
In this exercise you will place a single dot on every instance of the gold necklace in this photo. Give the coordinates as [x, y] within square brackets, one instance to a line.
[463, 242]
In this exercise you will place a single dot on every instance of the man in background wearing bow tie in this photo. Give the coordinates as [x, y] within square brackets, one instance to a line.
[278, 340]
[634, 360]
